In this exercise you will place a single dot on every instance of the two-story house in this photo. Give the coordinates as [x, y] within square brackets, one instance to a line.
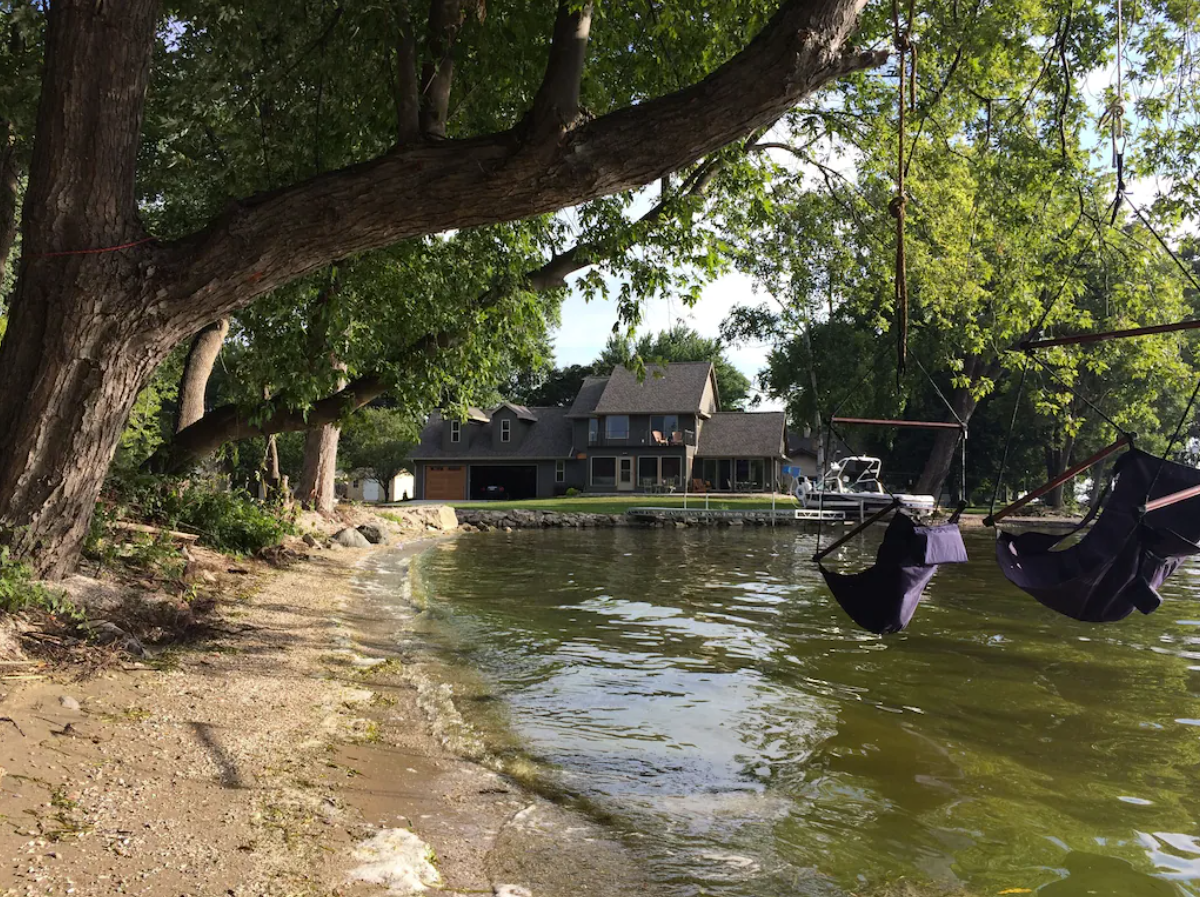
[621, 434]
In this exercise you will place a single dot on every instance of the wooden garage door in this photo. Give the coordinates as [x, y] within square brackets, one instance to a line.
[446, 482]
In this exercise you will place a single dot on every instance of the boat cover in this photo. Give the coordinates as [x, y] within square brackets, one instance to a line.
[883, 597]
[1121, 562]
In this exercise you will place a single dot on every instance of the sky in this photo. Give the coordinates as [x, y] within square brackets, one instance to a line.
[586, 326]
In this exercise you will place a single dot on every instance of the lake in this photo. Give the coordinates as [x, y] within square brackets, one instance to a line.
[700, 691]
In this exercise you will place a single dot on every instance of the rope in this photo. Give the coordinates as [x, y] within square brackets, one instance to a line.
[1073, 391]
[1163, 243]
[1183, 419]
[50, 255]
[1115, 115]
[905, 72]
[1012, 425]
[962, 423]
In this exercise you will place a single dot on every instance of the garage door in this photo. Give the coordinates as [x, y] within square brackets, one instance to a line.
[503, 481]
[446, 482]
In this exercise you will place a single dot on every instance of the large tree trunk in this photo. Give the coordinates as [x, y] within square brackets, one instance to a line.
[1058, 459]
[97, 308]
[77, 349]
[942, 456]
[197, 370]
[316, 487]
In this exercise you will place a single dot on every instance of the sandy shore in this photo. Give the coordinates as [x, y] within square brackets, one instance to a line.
[292, 754]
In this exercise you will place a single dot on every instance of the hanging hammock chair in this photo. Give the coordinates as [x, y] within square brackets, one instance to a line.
[883, 598]
[1149, 524]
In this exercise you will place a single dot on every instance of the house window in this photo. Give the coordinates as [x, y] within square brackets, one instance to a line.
[663, 428]
[505, 430]
[648, 470]
[455, 431]
[560, 471]
[593, 431]
[604, 471]
[672, 471]
[616, 426]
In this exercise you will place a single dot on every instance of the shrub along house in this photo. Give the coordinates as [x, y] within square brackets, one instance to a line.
[664, 432]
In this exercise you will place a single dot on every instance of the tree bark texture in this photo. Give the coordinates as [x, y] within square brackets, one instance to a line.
[943, 455]
[97, 305]
[79, 344]
[197, 370]
[316, 487]
[1058, 459]
[230, 423]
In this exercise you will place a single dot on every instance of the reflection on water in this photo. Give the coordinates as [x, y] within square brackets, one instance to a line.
[701, 689]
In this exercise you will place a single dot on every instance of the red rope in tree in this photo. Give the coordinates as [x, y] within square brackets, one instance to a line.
[50, 255]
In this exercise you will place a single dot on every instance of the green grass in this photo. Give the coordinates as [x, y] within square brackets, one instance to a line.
[612, 504]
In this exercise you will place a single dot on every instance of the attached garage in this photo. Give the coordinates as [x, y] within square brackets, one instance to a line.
[508, 481]
[446, 482]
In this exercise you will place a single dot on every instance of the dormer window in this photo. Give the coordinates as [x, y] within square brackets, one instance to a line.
[505, 430]
[455, 431]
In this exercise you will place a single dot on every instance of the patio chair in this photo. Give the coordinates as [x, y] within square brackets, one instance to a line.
[700, 486]
[658, 437]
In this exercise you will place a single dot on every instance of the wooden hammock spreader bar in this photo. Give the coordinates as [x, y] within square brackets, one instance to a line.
[1167, 500]
[917, 424]
[1057, 481]
[874, 518]
[1080, 338]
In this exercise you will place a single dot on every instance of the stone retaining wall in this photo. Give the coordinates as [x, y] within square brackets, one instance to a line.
[472, 520]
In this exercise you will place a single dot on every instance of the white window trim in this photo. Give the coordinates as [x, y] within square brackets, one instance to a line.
[455, 431]
[505, 430]
[560, 471]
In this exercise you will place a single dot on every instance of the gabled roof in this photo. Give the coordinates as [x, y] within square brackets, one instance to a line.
[521, 411]
[478, 415]
[588, 396]
[676, 388]
[548, 436]
[742, 434]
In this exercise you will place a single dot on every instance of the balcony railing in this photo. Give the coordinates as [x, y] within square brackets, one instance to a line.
[645, 439]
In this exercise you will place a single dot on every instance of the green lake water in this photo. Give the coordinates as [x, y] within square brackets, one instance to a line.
[701, 692]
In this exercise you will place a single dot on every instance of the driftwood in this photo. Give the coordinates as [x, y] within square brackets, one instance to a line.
[154, 530]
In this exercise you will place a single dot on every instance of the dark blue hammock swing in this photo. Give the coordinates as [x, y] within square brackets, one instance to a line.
[883, 598]
[1146, 521]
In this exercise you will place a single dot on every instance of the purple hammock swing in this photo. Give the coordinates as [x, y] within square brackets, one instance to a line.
[883, 598]
[1147, 522]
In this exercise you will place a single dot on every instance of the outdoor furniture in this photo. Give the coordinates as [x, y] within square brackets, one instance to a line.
[700, 486]
[658, 437]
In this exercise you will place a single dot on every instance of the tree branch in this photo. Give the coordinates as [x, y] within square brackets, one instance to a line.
[408, 88]
[425, 188]
[556, 105]
[445, 19]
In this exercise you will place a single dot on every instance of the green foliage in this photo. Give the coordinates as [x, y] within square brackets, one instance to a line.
[151, 420]
[556, 387]
[377, 442]
[20, 591]
[227, 520]
[572, 492]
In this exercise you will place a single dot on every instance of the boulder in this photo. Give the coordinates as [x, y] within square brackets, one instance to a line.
[351, 538]
[373, 534]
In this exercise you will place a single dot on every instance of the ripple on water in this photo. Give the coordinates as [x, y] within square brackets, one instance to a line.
[704, 694]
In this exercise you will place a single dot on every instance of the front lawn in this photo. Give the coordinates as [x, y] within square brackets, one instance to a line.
[619, 504]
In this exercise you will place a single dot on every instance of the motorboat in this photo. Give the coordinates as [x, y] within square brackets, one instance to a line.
[854, 486]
